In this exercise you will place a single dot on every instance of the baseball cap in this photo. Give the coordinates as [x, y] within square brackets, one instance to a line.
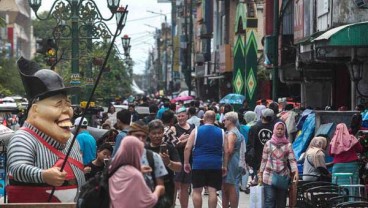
[84, 122]
[267, 113]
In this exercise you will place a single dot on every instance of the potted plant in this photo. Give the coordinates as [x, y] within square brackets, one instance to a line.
[97, 57]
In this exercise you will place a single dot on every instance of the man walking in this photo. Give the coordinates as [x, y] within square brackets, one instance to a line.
[86, 141]
[123, 119]
[206, 143]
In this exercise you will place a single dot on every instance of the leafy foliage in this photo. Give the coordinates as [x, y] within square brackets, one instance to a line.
[2, 22]
[113, 83]
[10, 81]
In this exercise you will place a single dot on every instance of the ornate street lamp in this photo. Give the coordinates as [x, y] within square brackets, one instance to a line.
[35, 4]
[126, 41]
[121, 11]
[87, 23]
[113, 5]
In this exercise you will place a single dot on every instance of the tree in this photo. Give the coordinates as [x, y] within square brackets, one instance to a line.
[2, 22]
[114, 83]
[10, 81]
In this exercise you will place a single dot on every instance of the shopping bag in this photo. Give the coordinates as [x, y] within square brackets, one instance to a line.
[293, 195]
[256, 199]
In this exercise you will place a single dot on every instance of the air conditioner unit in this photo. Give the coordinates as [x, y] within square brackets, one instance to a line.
[361, 3]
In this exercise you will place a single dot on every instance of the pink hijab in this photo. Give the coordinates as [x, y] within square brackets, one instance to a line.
[342, 141]
[127, 187]
[279, 140]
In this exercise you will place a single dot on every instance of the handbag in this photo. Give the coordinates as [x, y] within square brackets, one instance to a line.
[279, 181]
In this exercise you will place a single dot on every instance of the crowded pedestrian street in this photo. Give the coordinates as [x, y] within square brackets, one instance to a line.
[183, 103]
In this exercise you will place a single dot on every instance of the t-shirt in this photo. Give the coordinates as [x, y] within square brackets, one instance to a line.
[179, 132]
[88, 146]
[160, 170]
[118, 140]
[94, 170]
[174, 156]
[258, 135]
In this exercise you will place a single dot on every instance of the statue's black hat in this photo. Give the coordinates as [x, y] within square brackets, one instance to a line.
[41, 83]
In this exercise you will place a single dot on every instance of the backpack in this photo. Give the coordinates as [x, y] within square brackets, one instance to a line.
[163, 201]
[95, 192]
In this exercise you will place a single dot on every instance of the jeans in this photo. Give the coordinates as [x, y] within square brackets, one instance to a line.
[274, 197]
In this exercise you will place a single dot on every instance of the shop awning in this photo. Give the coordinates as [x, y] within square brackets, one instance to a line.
[351, 35]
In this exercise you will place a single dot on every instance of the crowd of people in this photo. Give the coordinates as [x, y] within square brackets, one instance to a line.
[200, 148]
[206, 149]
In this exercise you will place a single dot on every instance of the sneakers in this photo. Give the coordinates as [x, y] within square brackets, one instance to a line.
[247, 190]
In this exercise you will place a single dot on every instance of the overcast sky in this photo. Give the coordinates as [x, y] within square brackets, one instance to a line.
[141, 35]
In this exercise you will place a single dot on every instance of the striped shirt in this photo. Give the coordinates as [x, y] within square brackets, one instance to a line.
[27, 156]
[281, 156]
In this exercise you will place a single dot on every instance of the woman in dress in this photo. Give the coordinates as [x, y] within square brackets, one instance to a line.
[127, 187]
[233, 141]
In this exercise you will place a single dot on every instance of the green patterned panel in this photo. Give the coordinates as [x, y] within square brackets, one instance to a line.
[238, 82]
[251, 65]
[239, 66]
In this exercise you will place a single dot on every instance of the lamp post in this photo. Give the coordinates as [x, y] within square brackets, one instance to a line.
[126, 44]
[128, 60]
[165, 47]
[86, 23]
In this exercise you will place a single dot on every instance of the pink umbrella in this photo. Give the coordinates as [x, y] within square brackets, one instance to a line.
[181, 98]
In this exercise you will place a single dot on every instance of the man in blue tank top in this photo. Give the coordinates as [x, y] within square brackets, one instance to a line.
[205, 143]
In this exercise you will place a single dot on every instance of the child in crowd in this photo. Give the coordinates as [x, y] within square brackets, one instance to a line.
[103, 154]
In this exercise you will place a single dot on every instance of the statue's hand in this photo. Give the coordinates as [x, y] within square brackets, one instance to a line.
[53, 176]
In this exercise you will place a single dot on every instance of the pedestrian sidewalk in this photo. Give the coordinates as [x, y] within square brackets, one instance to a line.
[243, 201]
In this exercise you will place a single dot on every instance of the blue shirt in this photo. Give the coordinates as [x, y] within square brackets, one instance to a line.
[207, 150]
[87, 145]
[244, 130]
[118, 140]
[160, 112]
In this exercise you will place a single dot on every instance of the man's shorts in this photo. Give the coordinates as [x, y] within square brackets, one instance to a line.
[182, 176]
[203, 177]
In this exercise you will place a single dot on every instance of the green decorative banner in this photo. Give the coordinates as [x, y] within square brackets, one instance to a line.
[239, 66]
[251, 67]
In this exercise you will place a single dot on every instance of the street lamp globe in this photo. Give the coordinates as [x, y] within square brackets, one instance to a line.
[113, 5]
[121, 11]
[35, 4]
[126, 41]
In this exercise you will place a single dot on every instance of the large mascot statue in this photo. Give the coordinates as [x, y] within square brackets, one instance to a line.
[37, 150]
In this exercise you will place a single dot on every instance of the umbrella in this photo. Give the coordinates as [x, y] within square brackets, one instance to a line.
[232, 99]
[181, 98]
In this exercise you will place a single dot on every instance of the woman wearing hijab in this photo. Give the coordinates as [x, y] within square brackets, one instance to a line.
[277, 152]
[344, 148]
[314, 162]
[126, 186]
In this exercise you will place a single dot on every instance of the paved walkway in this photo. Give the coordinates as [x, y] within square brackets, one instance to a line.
[243, 201]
